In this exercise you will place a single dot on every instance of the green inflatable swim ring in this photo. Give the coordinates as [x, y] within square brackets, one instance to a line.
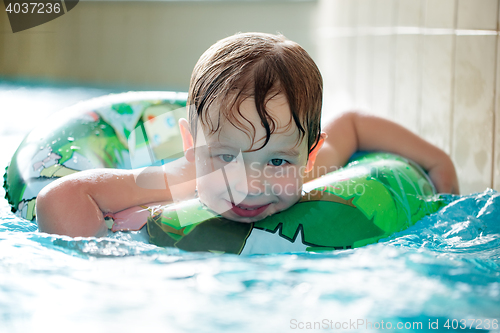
[372, 197]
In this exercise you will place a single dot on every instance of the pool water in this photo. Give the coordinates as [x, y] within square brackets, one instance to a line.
[438, 275]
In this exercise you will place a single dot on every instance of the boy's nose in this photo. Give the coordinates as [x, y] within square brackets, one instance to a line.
[253, 184]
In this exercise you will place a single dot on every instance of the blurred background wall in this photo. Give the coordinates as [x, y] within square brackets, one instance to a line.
[430, 65]
[151, 44]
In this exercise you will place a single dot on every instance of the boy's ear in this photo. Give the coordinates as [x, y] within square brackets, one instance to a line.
[314, 153]
[187, 140]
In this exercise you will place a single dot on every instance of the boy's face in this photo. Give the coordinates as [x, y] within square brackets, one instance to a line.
[247, 186]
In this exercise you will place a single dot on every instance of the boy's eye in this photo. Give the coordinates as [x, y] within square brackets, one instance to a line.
[227, 157]
[277, 161]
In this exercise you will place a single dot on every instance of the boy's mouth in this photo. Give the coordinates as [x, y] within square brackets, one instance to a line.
[248, 210]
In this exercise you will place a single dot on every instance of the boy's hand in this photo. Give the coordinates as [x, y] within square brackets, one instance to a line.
[444, 176]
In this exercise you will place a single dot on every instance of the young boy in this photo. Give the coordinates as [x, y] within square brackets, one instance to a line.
[254, 109]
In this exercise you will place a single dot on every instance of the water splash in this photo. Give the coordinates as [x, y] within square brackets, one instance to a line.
[444, 267]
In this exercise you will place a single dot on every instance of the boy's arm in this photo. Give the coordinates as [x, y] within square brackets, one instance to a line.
[354, 131]
[75, 205]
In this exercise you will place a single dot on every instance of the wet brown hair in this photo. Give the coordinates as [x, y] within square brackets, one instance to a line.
[261, 66]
